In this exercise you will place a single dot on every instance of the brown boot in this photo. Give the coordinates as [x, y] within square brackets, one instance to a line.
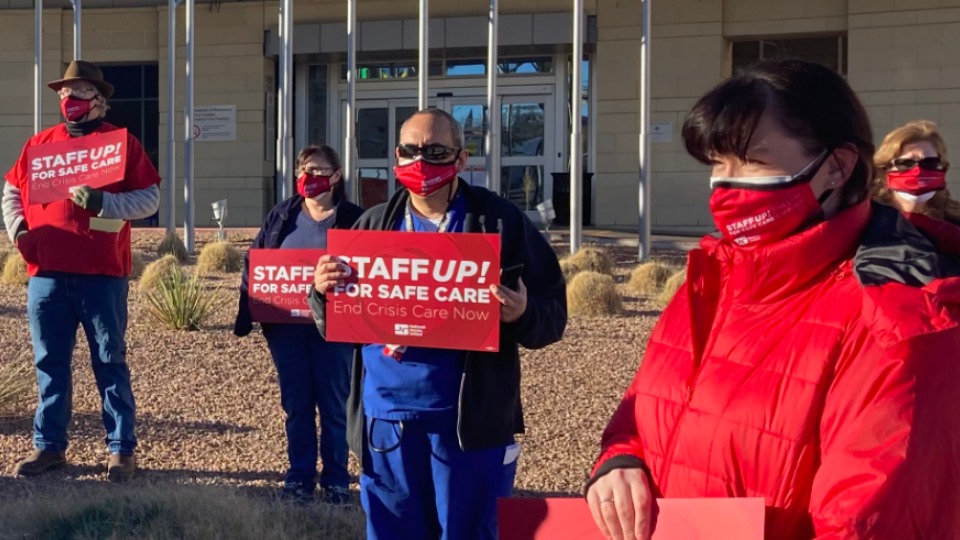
[121, 467]
[40, 462]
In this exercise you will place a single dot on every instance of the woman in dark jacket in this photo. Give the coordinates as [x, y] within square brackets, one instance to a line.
[313, 374]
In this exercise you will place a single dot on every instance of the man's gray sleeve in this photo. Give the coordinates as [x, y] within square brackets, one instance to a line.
[130, 205]
[12, 210]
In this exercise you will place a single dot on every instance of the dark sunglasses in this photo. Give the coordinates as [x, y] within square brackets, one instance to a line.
[432, 153]
[928, 164]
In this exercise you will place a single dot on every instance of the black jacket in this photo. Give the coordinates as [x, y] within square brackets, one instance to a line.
[489, 411]
[276, 226]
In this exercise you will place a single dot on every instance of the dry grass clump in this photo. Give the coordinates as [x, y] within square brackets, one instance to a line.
[173, 245]
[16, 385]
[671, 287]
[137, 265]
[155, 272]
[592, 294]
[181, 303]
[15, 270]
[5, 252]
[219, 257]
[172, 511]
[587, 260]
[648, 278]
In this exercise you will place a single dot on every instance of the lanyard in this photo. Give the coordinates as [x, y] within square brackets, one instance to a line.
[408, 220]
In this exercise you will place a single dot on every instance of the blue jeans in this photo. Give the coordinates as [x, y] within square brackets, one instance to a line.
[313, 375]
[57, 303]
[422, 486]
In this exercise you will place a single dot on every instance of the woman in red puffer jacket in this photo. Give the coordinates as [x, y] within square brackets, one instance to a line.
[811, 358]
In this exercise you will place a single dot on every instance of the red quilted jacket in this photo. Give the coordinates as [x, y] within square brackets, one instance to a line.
[776, 373]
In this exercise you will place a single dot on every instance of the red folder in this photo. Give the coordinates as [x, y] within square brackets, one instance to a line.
[678, 519]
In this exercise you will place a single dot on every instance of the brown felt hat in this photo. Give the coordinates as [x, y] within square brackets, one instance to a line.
[78, 70]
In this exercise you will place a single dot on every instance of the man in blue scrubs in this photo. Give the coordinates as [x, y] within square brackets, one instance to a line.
[435, 428]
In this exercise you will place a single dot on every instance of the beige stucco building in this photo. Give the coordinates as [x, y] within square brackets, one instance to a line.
[902, 57]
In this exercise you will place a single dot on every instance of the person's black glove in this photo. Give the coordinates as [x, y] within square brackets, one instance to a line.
[89, 199]
[21, 230]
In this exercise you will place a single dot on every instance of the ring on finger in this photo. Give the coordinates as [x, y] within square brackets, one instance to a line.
[606, 500]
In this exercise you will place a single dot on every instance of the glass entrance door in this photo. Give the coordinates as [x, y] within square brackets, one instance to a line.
[524, 144]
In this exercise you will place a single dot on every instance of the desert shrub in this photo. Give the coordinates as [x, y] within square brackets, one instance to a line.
[5, 252]
[156, 271]
[591, 294]
[15, 270]
[648, 278]
[173, 245]
[181, 303]
[593, 260]
[219, 257]
[671, 287]
[137, 265]
[16, 385]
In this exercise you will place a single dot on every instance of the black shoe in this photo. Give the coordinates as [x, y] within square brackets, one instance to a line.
[337, 495]
[297, 493]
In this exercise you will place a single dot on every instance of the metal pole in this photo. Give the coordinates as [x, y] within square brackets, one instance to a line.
[350, 121]
[281, 65]
[37, 64]
[493, 103]
[424, 53]
[188, 201]
[76, 29]
[171, 209]
[576, 127]
[645, 190]
[287, 187]
[285, 96]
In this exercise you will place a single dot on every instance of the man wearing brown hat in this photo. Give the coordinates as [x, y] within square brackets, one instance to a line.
[78, 258]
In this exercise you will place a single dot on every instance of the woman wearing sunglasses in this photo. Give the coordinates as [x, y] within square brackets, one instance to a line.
[912, 168]
[809, 360]
[313, 374]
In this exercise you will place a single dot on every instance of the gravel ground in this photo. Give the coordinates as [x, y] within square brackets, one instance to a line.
[209, 406]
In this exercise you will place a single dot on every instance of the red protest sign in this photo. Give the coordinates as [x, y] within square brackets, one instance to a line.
[417, 289]
[95, 160]
[678, 519]
[279, 282]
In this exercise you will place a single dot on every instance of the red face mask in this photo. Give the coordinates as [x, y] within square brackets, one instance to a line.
[75, 109]
[754, 211]
[425, 179]
[310, 186]
[754, 218]
[917, 180]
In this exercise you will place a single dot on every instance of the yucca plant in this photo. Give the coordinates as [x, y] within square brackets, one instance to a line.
[16, 382]
[181, 302]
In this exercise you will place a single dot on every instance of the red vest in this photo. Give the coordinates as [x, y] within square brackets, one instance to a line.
[60, 238]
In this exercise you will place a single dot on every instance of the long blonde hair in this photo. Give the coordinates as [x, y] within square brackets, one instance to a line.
[942, 206]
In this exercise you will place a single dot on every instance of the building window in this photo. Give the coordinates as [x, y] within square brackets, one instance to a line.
[830, 51]
[135, 105]
[317, 104]
[473, 67]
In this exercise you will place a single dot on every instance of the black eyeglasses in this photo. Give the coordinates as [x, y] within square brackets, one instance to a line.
[928, 163]
[432, 153]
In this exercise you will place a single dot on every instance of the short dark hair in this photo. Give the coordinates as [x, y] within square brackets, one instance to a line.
[330, 155]
[456, 132]
[810, 101]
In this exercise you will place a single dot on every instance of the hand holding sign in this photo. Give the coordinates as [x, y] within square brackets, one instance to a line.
[622, 505]
[328, 274]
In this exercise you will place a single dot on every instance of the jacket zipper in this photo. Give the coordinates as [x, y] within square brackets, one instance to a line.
[463, 382]
[722, 312]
